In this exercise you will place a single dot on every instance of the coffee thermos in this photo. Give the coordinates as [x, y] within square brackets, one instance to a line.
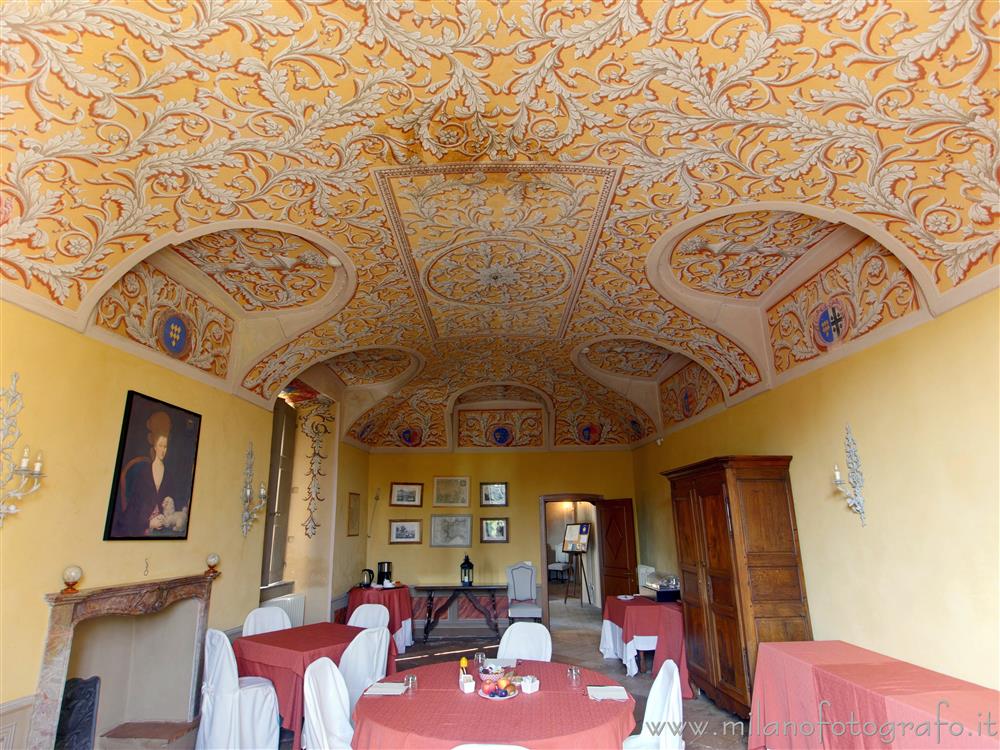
[384, 573]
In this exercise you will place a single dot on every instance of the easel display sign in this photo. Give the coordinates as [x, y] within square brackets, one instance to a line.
[576, 538]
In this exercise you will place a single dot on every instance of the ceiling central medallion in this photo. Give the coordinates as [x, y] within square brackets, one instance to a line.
[498, 271]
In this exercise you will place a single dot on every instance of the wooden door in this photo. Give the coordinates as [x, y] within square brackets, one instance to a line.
[725, 634]
[616, 535]
[691, 558]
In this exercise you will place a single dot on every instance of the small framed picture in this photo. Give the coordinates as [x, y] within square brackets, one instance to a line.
[451, 492]
[451, 531]
[353, 514]
[406, 531]
[492, 493]
[408, 494]
[494, 530]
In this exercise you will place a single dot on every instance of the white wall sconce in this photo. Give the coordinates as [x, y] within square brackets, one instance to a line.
[251, 507]
[21, 479]
[856, 480]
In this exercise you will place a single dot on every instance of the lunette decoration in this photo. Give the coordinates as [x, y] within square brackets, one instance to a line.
[16, 481]
[855, 478]
[251, 507]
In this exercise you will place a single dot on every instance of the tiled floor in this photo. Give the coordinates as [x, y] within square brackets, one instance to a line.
[576, 633]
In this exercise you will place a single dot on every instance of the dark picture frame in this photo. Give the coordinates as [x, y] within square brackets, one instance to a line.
[406, 494]
[406, 531]
[493, 494]
[494, 530]
[153, 485]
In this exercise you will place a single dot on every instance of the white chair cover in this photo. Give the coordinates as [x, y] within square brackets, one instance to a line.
[236, 712]
[526, 640]
[370, 616]
[327, 708]
[663, 710]
[264, 620]
[364, 660]
[521, 588]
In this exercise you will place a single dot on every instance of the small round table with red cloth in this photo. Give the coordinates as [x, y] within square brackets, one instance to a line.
[400, 605]
[439, 715]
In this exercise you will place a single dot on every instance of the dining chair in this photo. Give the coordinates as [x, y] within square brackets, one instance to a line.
[265, 620]
[370, 616]
[521, 593]
[526, 640]
[327, 708]
[663, 709]
[236, 712]
[364, 661]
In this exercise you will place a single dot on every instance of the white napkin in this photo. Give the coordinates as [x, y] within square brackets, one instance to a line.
[607, 693]
[386, 688]
[501, 662]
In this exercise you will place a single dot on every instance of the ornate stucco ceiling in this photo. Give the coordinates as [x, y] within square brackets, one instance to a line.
[489, 188]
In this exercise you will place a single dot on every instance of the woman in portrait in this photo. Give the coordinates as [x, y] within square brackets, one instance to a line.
[147, 493]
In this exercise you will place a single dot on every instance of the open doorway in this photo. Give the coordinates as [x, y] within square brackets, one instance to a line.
[571, 580]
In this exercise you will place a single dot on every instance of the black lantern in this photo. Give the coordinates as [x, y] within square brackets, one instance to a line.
[466, 572]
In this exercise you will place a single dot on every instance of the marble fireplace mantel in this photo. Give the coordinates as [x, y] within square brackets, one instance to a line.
[68, 610]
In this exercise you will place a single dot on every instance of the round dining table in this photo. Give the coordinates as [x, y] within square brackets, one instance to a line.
[437, 714]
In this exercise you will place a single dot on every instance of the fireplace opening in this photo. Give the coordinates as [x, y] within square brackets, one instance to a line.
[148, 665]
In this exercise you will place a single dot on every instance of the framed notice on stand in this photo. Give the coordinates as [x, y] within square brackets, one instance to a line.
[576, 538]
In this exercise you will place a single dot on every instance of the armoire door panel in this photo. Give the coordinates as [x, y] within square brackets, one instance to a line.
[688, 547]
[729, 655]
[696, 641]
[721, 591]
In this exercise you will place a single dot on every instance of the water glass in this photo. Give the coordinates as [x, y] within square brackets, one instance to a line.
[479, 659]
[573, 674]
[410, 681]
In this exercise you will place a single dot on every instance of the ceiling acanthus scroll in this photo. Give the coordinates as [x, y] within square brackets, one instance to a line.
[497, 176]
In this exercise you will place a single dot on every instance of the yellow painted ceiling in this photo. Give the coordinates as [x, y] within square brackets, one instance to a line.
[495, 179]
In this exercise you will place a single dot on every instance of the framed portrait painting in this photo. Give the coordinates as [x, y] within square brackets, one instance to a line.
[154, 473]
[451, 531]
[494, 530]
[492, 493]
[405, 531]
[407, 494]
[451, 492]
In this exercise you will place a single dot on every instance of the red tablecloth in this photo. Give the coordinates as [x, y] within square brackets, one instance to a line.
[795, 681]
[283, 655]
[397, 600]
[670, 644]
[665, 620]
[439, 715]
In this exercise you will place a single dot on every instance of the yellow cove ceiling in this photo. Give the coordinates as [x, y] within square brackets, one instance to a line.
[532, 197]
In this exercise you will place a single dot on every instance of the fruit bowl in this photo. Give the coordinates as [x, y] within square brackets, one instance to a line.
[512, 693]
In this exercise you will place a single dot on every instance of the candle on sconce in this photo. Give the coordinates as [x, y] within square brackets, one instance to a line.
[836, 473]
[25, 457]
[262, 494]
[38, 463]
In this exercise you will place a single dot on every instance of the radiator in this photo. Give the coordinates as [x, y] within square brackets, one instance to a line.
[293, 604]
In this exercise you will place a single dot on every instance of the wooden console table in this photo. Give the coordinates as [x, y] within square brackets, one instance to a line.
[453, 591]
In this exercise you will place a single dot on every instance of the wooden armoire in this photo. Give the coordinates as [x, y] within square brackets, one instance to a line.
[740, 569]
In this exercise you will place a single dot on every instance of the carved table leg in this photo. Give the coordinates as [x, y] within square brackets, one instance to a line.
[430, 616]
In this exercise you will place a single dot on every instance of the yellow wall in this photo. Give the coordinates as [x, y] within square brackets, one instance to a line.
[528, 475]
[350, 551]
[74, 398]
[920, 581]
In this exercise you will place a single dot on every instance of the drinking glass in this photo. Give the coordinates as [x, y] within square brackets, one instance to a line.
[573, 674]
[479, 659]
[410, 681]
